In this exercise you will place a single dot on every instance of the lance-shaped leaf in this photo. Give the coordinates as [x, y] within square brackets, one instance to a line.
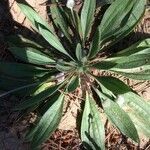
[48, 122]
[87, 17]
[95, 45]
[114, 85]
[138, 110]
[92, 129]
[59, 20]
[121, 18]
[79, 53]
[73, 83]
[31, 55]
[42, 27]
[22, 70]
[42, 111]
[141, 123]
[128, 66]
[37, 99]
[21, 41]
[141, 47]
[118, 117]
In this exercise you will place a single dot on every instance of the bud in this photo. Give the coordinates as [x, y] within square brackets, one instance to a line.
[70, 4]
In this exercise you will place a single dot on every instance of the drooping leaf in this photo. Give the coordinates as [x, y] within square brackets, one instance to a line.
[87, 17]
[118, 117]
[48, 122]
[22, 70]
[125, 14]
[42, 27]
[31, 55]
[92, 129]
[73, 83]
[59, 20]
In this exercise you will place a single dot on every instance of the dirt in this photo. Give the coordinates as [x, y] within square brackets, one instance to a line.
[66, 137]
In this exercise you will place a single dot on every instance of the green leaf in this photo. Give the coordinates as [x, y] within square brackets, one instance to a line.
[125, 14]
[22, 70]
[113, 84]
[138, 64]
[73, 83]
[119, 117]
[138, 110]
[134, 61]
[31, 55]
[92, 129]
[136, 103]
[42, 27]
[104, 2]
[87, 17]
[20, 90]
[35, 100]
[141, 123]
[48, 122]
[59, 20]
[79, 54]
[95, 45]
[141, 47]
[103, 65]
[20, 41]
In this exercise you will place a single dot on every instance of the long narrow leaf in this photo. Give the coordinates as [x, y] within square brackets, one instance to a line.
[118, 117]
[125, 14]
[31, 55]
[35, 100]
[48, 122]
[92, 129]
[87, 17]
[42, 27]
[59, 20]
[22, 70]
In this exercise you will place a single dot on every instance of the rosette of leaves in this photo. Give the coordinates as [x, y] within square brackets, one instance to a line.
[78, 43]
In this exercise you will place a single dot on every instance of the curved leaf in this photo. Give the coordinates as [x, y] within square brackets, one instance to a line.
[92, 129]
[125, 14]
[87, 17]
[48, 122]
[31, 55]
